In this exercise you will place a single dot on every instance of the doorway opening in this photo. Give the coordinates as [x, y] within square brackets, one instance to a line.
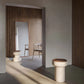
[25, 33]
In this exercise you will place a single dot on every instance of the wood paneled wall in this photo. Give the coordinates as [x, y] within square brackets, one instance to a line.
[78, 33]
[14, 14]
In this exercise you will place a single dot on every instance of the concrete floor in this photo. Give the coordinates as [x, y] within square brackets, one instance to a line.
[17, 74]
[32, 64]
[74, 75]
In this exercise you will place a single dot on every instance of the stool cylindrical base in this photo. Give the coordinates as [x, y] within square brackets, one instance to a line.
[60, 74]
[60, 65]
[17, 57]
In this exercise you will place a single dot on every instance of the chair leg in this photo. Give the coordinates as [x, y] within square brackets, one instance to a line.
[39, 54]
[33, 55]
[28, 53]
[24, 52]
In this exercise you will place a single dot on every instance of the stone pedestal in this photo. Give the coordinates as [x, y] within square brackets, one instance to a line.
[17, 57]
[60, 65]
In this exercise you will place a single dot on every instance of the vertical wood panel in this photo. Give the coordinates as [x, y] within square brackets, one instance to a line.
[75, 32]
[81, 33]
[78, 32]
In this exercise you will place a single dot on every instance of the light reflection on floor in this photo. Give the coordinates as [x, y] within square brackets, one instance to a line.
[24, 75]
[18, 74]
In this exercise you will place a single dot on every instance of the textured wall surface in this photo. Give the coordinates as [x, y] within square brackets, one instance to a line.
[2, 39]
[58, 27]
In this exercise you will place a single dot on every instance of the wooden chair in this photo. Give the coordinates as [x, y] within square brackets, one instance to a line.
[26, 49]
[37, 48]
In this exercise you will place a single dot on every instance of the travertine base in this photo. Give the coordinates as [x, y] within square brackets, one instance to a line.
[60, 69]
[17, 57]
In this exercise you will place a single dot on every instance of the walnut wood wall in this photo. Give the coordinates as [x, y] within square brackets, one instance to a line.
[14, 14]
[78, 33]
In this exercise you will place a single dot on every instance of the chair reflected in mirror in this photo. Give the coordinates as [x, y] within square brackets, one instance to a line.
[37, 48]
[26, 49]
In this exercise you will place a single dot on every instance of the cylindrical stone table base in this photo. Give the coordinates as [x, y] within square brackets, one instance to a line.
[17, 57]
[60, 65]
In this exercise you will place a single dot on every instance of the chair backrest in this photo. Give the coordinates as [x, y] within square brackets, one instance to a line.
[26, 46]
[37, 46]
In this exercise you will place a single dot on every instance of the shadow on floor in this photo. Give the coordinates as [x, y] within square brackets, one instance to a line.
[23, 74]
[74, 75]
[6, 78]
[44, 72]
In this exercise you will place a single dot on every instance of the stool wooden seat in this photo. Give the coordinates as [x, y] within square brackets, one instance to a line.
[60, 60]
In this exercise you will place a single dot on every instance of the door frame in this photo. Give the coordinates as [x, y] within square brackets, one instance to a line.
[43, 31]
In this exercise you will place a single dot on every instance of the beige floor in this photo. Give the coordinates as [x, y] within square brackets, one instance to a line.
[24, 75]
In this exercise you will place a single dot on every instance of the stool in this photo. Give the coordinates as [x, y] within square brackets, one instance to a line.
[17, 57]
[60, 65]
